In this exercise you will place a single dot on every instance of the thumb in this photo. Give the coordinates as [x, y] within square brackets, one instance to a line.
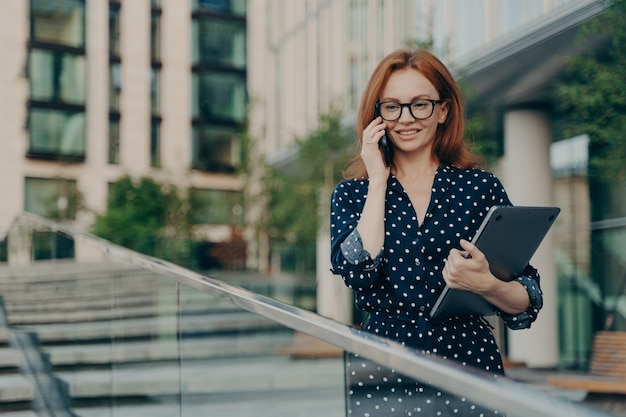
[471, 250]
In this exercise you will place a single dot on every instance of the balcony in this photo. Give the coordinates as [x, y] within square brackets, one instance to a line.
[112, 332]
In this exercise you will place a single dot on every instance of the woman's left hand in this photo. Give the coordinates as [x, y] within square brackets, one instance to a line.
[468, 269]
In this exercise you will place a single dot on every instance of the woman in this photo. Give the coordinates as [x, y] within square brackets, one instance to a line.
[400, 233]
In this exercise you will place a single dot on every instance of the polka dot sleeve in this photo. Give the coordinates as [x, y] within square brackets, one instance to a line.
[530, 280]
[348, 257]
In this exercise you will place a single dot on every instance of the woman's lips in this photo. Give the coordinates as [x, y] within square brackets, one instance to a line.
[404, 133]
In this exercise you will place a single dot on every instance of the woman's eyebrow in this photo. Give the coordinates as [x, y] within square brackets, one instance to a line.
[417, 97]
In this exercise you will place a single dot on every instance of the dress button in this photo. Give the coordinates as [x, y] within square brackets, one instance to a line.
[422, 308]
[417, 261]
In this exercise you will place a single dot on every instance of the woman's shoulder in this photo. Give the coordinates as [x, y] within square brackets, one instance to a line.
[351, 185]
[469, 174]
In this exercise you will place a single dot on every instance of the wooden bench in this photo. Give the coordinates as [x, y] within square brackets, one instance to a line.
[607, 372]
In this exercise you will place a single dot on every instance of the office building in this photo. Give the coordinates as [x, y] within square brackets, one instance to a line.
[96, 90]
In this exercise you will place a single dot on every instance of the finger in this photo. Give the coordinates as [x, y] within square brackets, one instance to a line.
[445, 274]
[470, 249]
[373, 136]
[457, 254]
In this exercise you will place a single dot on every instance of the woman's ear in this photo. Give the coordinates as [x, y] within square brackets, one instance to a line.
[443, 114]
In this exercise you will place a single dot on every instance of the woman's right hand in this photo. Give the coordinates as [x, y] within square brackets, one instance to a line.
[370, 152]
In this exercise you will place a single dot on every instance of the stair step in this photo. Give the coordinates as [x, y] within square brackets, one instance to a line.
[208, 377]
[170, 350]
[25, 413]
[166, 326]
[15, 388]
[9, 358]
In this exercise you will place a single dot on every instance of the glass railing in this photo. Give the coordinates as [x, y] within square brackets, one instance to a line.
[93, 329]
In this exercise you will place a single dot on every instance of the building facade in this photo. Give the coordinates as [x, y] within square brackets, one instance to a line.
[93, 90]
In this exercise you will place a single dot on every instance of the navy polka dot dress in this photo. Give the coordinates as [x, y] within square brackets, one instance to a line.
[399, 286]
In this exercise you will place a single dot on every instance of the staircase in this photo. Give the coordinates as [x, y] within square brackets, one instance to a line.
[72, 335]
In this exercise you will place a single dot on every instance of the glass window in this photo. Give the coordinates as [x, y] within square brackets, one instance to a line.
[52, 245]
[60, 22]
[4, 250]
[56, 76]
[155, 90]
[55, 199]
[216, 206]
[155, 36]
[237, 7]
[215, 149]
[220, 43]
[56, 133]
[219, 96]
[115, 85]
[114, 141]
[114, 29]
[155, 143]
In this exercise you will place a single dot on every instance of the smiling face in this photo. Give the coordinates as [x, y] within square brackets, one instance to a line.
[408, 134]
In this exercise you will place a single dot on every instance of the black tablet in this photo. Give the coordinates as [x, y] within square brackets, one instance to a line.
[509, 236]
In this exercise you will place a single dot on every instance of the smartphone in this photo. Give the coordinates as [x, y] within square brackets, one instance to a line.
[386, 148]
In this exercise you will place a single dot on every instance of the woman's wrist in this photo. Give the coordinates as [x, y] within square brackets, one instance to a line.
[377, 183]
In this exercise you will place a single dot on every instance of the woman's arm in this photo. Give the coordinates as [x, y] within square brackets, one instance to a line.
[371, 225]
[349, 259]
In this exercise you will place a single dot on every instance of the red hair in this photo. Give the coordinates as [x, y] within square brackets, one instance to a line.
[450, 147]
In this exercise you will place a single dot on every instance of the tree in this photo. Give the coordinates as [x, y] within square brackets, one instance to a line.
[293, 197]
[591, 98]
[140, 214]
[592, 94]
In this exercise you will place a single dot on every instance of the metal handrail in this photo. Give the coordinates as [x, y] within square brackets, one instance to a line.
[510, 397]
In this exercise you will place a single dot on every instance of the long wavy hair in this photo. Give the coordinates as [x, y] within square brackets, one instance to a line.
[450, 147]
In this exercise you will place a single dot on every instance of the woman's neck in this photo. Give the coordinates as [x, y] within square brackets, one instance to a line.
[415, 169]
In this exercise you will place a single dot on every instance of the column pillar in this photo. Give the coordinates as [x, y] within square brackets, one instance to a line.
[527, 177]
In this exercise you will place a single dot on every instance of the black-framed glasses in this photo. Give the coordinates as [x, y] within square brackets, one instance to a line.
[420, 109]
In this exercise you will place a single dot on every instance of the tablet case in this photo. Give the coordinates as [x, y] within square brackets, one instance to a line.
[508, 236]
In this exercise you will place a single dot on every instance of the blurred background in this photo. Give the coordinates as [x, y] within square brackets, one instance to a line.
[210, 133]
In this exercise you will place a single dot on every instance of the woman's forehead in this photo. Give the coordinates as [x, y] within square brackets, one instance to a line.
[408, 83]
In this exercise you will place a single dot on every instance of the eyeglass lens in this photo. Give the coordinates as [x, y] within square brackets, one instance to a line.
[419, 109]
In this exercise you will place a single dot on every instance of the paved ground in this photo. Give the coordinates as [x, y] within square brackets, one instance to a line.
[612, 403]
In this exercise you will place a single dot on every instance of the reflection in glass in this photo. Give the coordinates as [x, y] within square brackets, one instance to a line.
[237, 7]
[376, 391]
[56, 76]
[114, 141]
[155, 36]
[219, 96]
[115, 85]
[155, 142]
[215, 149]
[58, 22]
[221, 43]
[50, 245]
[114, 29]
[216, 206]
[114, 333]
[51, 198]
[56, 133]
[155, 90]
